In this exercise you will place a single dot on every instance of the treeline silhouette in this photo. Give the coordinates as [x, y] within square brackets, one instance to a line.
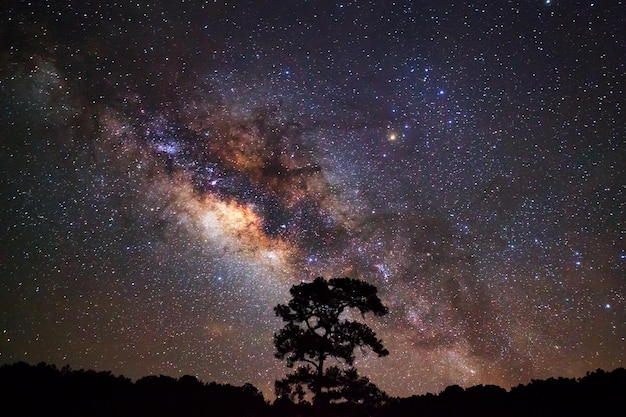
[598, 393]
[43, 389]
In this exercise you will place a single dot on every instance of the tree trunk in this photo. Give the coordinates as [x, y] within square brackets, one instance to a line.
[317, 400]
[319, 409]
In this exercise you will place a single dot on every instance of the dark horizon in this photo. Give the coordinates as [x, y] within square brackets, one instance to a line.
[80, 392]
[67, 369]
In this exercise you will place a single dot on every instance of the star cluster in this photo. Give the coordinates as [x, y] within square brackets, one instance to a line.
[170, 169]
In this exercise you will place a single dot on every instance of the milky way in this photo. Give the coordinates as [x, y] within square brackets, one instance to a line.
[170, 170]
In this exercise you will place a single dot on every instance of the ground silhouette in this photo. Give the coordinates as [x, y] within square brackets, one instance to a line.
[43, 389]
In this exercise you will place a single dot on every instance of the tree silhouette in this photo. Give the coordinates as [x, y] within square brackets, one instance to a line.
[316, 332]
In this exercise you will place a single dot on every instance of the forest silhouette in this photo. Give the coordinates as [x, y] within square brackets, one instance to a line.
[43, 389]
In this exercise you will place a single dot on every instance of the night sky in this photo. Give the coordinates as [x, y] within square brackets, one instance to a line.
[170, 169]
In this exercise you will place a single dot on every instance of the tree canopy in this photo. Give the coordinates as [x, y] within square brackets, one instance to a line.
[316, 331]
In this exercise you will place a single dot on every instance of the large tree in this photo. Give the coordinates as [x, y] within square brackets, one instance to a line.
[316, 333]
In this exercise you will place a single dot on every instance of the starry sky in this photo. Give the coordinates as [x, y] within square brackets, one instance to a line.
[170, 169]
